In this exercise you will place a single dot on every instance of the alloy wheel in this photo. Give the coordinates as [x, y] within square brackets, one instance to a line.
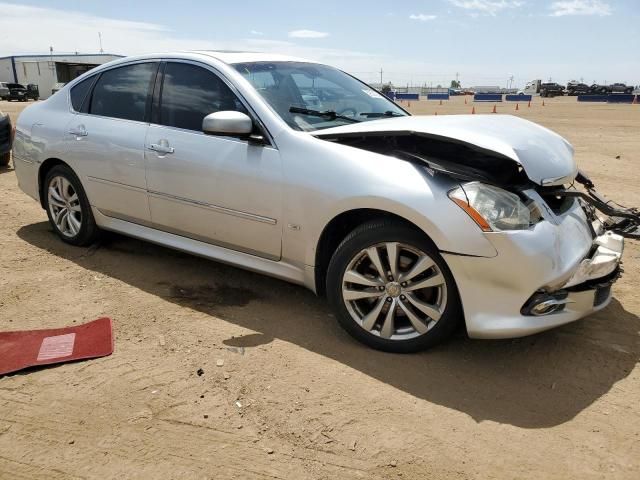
[64, 205]
[394, 290]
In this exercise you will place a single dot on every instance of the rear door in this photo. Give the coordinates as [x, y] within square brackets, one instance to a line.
[218, 189]
[106, 136]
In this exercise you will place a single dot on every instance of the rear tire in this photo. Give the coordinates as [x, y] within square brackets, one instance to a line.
[68, 208]
[412, 306]
[4, 159]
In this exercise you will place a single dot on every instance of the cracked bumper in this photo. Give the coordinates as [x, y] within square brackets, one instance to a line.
[557, 257]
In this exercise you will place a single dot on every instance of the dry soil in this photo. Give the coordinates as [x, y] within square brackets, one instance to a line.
[296, 398]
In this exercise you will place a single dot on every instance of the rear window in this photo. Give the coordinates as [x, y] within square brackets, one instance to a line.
[123, 92]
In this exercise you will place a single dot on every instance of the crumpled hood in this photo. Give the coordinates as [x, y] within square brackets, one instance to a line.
[546, 157]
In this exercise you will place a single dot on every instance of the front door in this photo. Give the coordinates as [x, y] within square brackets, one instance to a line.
[217, 189]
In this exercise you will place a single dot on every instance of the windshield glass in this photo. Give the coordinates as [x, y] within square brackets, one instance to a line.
[310, 96]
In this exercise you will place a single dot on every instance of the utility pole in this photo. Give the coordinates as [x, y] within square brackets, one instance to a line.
[100, 39]
[380, 77]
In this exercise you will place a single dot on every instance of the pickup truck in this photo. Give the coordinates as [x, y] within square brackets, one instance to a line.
[5, 139]
[613, 88]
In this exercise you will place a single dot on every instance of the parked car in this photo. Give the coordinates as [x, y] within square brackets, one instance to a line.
[602, 89]
[577, 88]
[17, 92]
[4, 91]
[57, 87]
[408, 224]
[551, 90]
[5, 139]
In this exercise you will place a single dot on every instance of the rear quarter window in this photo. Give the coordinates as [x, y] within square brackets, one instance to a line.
[79, 93]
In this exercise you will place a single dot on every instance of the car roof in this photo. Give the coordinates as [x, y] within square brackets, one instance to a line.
[231, 57]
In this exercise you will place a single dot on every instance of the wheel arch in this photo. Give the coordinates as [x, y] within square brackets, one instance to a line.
[45, 167]
[339, 227]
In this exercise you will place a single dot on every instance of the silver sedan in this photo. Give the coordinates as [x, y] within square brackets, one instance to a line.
[409, 225]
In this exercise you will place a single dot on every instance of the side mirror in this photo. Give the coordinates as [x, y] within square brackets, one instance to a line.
[227, 123]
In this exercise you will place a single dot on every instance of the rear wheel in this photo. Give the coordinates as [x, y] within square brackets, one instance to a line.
[67, 207]
[4, 159]
[391, 289]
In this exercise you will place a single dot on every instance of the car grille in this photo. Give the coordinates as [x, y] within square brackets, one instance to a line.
[557, 204]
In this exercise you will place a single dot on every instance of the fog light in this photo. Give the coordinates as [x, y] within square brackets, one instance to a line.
[541, 304]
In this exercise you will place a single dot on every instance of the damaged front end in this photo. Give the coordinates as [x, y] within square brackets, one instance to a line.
[528, 157]
[520, 184]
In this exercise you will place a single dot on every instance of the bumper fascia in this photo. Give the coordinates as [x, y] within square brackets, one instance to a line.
[549, 257]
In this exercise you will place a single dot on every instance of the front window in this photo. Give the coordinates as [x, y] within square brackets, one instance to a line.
[309, 96]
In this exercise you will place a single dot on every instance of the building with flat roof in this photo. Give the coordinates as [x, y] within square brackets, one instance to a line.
[47, 70]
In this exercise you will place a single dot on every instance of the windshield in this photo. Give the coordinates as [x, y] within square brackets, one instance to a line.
[309, 96]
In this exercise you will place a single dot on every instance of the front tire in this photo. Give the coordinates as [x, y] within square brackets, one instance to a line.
[391, 289]
[68, 208]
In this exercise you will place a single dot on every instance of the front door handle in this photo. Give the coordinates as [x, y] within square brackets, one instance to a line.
[162, 147]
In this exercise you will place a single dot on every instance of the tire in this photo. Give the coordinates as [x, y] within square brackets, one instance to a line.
[79, 228]
[4, 159]
[367, 319]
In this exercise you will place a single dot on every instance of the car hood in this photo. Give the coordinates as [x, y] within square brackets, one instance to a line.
[546, 157]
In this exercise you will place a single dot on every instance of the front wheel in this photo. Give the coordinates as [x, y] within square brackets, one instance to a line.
[68, 208]
[391, 289]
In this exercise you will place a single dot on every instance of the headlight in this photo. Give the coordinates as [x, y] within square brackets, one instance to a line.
[492, 208]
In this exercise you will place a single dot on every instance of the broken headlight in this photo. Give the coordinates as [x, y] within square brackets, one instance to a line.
[492, 208]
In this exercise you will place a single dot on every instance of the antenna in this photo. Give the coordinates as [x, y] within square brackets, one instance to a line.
[100, 39]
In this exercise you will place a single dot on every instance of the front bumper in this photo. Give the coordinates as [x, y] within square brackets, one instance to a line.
[558, 256]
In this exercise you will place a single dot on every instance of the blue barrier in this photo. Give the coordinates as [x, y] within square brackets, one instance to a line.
[407, 96]
[518, 98]
[391, 95]
[620, 98]
[487, 97]
[437, 96]
[592, 98]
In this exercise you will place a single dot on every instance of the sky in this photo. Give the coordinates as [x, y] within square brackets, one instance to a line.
[484, 42]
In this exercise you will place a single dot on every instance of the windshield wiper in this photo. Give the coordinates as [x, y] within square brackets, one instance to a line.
[330, 114]
[388, 113]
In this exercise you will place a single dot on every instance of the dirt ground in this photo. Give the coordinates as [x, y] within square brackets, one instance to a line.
[296, 398]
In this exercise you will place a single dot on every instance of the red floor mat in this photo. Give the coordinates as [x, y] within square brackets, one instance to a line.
[20, 350]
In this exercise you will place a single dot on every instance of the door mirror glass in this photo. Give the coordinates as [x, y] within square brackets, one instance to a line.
[227, 123]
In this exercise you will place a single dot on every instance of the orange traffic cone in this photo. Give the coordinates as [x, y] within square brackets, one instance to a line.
[494, 109]
[517, 107]
[543, 103]
[465, 100]
[635, 100]
[440, 102]
[408, 104]
[436, 114]
[473, 110]
[529, 104]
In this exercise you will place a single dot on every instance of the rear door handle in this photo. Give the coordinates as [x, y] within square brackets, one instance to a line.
[78, 132]
[161, 148]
